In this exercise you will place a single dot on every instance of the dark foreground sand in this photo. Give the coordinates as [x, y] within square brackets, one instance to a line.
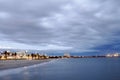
[9, 64]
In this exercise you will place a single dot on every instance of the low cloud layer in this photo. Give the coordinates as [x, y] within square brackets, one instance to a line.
[72, 25]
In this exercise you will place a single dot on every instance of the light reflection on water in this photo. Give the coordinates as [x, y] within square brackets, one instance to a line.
[21, 69]
[68, 69]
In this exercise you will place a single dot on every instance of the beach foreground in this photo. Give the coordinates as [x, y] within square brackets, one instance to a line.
[68, 69]
[10, 64]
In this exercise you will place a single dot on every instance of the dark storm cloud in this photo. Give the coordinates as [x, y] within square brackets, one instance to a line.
[80, 25]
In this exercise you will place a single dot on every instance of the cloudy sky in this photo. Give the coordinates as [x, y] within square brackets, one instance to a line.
[60, 25]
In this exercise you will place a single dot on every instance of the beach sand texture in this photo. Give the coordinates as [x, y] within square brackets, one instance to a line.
[10, 64]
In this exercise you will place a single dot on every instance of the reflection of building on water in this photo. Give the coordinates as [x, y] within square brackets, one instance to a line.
[113, 55]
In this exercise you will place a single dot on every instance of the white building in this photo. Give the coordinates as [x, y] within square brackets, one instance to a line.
[21, 54]
[113, 55]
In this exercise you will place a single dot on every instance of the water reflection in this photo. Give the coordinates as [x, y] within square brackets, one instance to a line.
[68, 69]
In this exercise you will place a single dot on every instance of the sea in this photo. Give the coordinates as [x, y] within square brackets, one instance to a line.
[67, 69]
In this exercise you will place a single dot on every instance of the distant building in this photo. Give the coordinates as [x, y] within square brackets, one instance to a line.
[21, 54]
[108, 55]
[66, 55]
[116, 55]
[113, 55]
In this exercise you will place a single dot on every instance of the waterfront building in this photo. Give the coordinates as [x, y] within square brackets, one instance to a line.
[21, 55]
[116, 55]
[113, 55]
[66, 55]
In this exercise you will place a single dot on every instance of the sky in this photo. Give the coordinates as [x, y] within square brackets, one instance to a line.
[79, 26]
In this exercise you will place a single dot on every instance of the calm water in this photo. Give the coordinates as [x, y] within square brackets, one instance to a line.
[68, 69]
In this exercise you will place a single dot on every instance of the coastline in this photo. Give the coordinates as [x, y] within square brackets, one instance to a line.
[11, 64]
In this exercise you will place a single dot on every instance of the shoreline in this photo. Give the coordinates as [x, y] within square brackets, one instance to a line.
[12, 64]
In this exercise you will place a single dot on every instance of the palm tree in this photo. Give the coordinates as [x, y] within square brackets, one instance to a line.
[15, 55]
[12, 54]
[0, 56]
[44, 57]
[32, 55]
[35, 55]
[28, 56]
[6, 54]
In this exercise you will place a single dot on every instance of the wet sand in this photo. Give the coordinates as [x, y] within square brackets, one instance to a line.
[10, 64]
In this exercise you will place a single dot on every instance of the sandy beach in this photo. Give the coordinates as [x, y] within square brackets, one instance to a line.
[9, 64]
